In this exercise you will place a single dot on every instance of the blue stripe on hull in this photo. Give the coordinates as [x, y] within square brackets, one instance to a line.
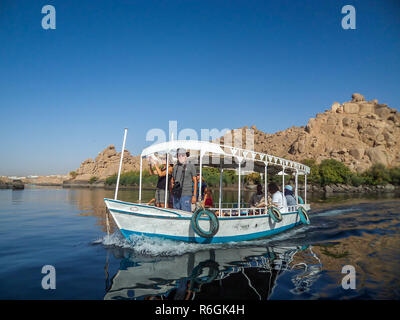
[252, 236]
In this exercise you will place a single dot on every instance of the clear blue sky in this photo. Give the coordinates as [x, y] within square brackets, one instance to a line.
[66, 94]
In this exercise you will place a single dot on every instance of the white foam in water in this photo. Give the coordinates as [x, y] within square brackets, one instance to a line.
[333, 212]
[115, 239]
[157, 246]
[290, 234]
[164, 247]
[154, 246]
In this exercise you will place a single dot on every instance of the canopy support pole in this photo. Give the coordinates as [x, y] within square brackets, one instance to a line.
[140, 179]
[266, 184]
[283, 181]
[220, 187]
[240, 165]
[296, 191]
[166, 181]
[305, 188]
[120, 164]
[200, 182]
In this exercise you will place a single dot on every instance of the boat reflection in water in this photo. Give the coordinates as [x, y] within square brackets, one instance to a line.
[233, 273]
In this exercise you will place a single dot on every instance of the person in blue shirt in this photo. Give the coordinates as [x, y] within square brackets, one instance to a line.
[289, 195]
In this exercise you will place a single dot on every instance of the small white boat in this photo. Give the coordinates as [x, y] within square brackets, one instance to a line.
[224, 222]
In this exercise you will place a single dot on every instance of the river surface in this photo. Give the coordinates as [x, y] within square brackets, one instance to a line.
[65, 228]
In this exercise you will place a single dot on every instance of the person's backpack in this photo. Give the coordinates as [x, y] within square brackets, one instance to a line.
[178, 185]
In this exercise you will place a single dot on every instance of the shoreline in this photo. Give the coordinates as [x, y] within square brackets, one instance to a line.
[328, 189]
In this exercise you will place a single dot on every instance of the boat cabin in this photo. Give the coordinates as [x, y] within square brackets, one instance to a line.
[225, 157]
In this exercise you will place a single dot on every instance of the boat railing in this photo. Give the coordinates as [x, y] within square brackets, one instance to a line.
[234, 212]
[247, 211]
[233, 205]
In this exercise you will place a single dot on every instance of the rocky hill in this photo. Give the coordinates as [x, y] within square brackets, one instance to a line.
[106, 164]
[357, 133]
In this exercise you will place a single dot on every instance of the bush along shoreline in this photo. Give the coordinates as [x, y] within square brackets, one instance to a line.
[333, 176]
[328, 176]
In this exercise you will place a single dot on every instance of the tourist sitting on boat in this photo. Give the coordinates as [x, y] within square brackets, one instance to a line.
[183, 177]
[161, 172]
[289, 195]
[208, 199]
[277, 200]
[257, 197]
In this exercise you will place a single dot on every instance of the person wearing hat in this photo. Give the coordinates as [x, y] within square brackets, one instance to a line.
[290, 198]
[183, 178]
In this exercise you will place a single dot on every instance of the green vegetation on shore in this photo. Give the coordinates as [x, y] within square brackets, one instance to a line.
[93, 180]
[211, 176]
[328, 172]
[73, 174]
[331, 171]
[131, 178]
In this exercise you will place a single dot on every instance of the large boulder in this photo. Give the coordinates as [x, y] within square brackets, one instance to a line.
[389, 138]
[377, 155]
[389, 187]
[370, 132]
[347, 122]
[357, 97]
[383, 112]
[348, 133]
[335, 106]
[331, 121]
[350, 107]
[366, 108]
[310, 125]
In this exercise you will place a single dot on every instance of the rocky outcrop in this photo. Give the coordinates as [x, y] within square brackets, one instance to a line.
[343, 188]
[106, 164]
[5, 183]
[358, 133]
[15, 184]
[18, 185]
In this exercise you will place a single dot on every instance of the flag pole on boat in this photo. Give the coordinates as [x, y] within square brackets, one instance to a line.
[119, 174]
[120, 164]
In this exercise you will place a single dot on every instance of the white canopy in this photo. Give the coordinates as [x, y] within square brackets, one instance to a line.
[226, 151]
[173, 145]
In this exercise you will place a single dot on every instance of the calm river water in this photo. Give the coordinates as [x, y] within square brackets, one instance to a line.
[65, 228]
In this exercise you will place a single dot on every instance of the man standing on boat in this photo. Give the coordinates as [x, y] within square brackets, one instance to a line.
[183, 179]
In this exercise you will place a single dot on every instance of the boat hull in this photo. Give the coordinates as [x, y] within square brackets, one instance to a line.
[139, 219]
